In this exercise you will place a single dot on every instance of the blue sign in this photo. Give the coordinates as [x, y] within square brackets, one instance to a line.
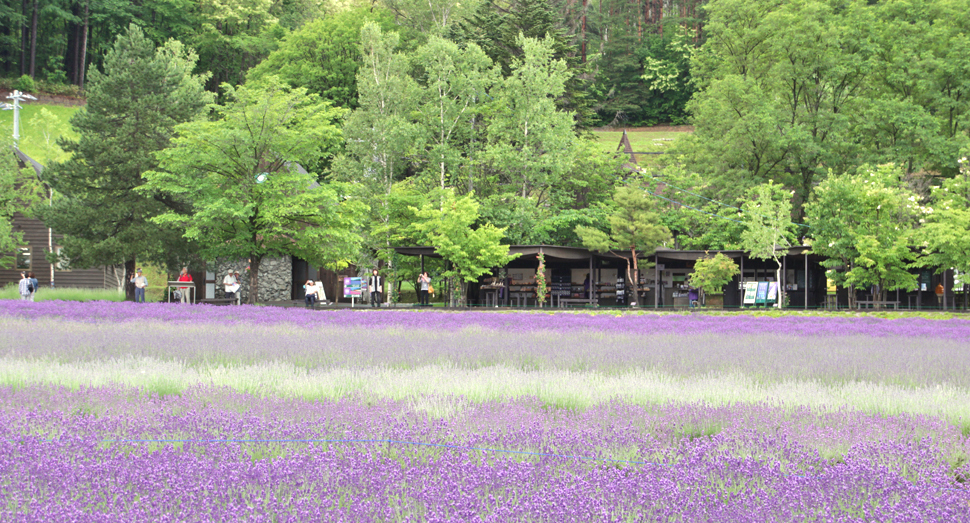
[762, 296]
[352, 287]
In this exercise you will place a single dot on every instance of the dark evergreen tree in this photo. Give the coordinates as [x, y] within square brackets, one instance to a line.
[495, 27]
[132, 109]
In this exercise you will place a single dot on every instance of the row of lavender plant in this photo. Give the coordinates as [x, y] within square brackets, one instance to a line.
[953, 329]
[907, 361]
[71, 456]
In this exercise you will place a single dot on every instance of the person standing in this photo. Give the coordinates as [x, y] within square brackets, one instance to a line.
[311, 293]
[939, 294]
[230, 284]
[424, 284]
[33, 285]
[375, 285]
[185, 276]
[141, 282]
[24, 287]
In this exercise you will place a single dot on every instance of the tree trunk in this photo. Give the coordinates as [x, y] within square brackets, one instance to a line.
[73, 53]
[634, 279]
[254, 279]
[781, 298]
[129, 274]
[24, 38]
[84, 45]
[33, 38]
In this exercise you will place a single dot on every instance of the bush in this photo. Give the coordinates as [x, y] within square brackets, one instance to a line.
[712, 274]
[25, 83]
[59, 89]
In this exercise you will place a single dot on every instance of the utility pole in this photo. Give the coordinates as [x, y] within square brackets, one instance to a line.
[17, 97]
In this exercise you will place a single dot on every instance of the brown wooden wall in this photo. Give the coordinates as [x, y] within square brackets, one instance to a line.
[35, 237]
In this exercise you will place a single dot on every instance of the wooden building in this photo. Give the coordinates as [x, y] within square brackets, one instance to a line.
[578, 276]
[38, 241]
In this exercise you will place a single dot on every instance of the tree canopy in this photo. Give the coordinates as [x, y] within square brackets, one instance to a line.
[241, 179]
[131, 113]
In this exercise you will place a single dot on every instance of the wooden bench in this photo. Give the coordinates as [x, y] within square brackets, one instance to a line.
[565, 302]
[860, 303]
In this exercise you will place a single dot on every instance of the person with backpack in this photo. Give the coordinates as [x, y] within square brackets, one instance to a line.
[24, 287]
[34, 285]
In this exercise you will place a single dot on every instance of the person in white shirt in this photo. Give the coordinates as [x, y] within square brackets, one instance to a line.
[141, 283]
[231, 285]
[311, 293]
[25, 287]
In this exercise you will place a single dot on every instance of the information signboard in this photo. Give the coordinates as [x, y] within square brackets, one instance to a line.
[772, 292]
[750, 291]
[353, 287]
[762, 293]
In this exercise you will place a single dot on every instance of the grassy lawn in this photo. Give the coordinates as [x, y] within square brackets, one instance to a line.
[11, 292]
[642, 141]
[33, 129]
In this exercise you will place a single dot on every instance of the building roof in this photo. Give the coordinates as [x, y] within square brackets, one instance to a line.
[581, 253]
[27, 160]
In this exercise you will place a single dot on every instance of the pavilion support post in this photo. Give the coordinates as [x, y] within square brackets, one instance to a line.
[944, 289]
[591, 285]
[806, 281]
[741, 282]
[783, 281]
[656, 281]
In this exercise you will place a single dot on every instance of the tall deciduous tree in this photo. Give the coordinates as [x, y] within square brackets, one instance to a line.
[131, 112]
[766, 215]
[450, 224]
[946, 234]
[529, 137]
[777, 84]
[634, 228]
[324, 55]
[863, 224]
[380, 134]
[456, 81]
[241, 178]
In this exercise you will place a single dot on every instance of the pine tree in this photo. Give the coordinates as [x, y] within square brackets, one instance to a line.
[132, 109]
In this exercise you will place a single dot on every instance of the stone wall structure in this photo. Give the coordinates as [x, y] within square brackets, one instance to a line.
[275, 278]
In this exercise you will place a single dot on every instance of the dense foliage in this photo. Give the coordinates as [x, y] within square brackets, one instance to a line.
[132, 110]
[492, 100]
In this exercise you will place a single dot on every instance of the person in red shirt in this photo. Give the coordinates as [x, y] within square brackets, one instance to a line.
[185, 276]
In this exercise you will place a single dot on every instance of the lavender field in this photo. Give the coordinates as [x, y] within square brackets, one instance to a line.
[118, 412]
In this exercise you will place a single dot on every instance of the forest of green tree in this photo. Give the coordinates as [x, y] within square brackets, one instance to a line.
[610, 45]
[444, 115]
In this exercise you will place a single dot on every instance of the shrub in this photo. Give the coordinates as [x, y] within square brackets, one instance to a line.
[60, 89]
[712, 274]
[25, 83]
